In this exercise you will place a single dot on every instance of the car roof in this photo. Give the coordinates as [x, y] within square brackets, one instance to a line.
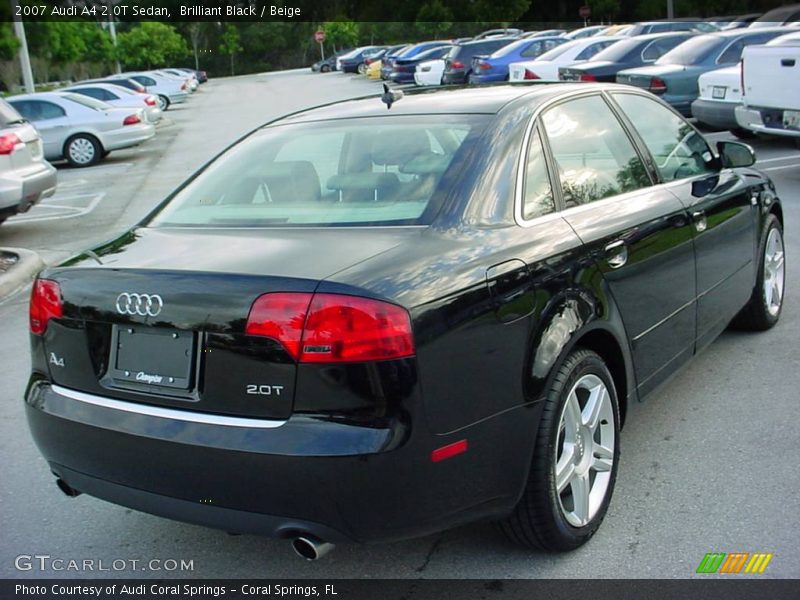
[489, 99]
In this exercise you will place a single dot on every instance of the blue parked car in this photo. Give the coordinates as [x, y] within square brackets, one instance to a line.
[404, 68]
[410, 52]
[487, 69]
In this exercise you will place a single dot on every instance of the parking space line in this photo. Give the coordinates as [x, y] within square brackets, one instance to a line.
[782, 167]
[779, 158]
[61, 211]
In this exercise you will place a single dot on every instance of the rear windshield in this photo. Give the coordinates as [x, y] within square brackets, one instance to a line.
[369, 171]
[85, 101]
[692, 51]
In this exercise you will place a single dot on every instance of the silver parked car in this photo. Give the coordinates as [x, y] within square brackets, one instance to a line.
[119, 96]
[168, 90]
[81, 129]
[25, 176]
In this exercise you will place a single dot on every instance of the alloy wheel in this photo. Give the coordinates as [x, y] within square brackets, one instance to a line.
[585, 450]
[773, 272]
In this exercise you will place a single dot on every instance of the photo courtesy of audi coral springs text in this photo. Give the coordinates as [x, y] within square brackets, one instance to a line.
[362, 325]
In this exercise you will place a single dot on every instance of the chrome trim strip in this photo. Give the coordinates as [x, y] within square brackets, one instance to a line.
[664, 320]
[167, 413]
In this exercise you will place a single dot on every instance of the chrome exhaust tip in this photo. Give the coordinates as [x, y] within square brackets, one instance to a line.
[65, 487]
[311, 548]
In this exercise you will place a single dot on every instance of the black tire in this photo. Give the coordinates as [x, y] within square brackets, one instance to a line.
[83, 150]
[756, 314]
[742, 133]
[325, 69]
[539, 520]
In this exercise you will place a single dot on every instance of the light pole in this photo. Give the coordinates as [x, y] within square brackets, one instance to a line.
[670, 10]
[24, 57]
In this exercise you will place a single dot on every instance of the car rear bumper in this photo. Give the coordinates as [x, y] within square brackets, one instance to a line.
[454, 77]
[21, 190]
[753, 119]
[715, 113]
[487, 78]
[283, 480]
[129, 135]
[403, 77]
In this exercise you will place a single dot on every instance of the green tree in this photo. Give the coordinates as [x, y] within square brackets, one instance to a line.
[229, 42]
[434, 19]
[150, 44]
[8, 42]
[341, 34]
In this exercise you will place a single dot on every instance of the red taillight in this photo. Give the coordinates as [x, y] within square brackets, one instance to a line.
[484, 66]
[131, 120]
[657, 85]
[45, 304]
[587, 77]
[368, 61]
[332, 328]
[8, 142]
[150, 101]
[457, 64]
[530, 75]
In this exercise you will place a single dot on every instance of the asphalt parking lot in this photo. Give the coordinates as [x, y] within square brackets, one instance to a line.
[709, 463]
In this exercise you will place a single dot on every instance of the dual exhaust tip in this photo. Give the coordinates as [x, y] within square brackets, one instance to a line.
[305, 546]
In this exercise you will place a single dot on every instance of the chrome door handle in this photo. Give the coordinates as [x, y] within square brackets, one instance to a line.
[617, 254]
[700, 221]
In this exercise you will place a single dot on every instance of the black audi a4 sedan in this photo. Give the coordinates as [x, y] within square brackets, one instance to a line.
[360, 324]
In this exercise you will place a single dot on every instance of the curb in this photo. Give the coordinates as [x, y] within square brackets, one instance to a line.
[19, 275]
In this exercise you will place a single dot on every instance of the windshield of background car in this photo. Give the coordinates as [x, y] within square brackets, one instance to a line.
[617, 52]
[692, 51]
[349, 172]
[85, 101]
[505, 50]
[558, 51]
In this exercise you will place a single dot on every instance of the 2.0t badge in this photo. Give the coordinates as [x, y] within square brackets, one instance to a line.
[144, 305]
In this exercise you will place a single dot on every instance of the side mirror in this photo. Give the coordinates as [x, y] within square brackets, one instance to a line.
[736, 154]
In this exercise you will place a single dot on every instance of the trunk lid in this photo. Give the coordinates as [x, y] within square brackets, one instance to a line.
[162, 320]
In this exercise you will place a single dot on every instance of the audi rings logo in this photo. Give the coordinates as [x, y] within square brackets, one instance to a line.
[144, 305]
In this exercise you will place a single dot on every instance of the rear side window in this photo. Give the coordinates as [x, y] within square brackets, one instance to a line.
[593, 154]
[591, 50]
[38, 110]
[678, 150]
[372, 171]
[538, 193]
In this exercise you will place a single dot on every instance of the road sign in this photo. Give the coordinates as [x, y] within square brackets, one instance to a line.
[319, 36]
[584, 12]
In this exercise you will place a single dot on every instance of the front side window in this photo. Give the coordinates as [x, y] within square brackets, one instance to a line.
[371, 171]
[678, 150]
[593, 154]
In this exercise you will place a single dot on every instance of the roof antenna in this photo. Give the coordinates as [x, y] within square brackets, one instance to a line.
[390, 96]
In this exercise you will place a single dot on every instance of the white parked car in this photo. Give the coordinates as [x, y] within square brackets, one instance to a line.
[81, 129]
[720, 94]
[167, 90]
[545, 67]
[190, 80]
[429, 72]
[25, 176]
[771, 94]
[118, 96]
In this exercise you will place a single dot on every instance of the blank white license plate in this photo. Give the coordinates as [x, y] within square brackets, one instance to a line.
[791, 119]
[718, 92]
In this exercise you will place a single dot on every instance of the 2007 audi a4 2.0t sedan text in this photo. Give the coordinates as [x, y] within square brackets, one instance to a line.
[360, 324]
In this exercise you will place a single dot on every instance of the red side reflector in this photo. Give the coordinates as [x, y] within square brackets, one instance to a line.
[449, 451]
[587, 77]
[45, 305]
